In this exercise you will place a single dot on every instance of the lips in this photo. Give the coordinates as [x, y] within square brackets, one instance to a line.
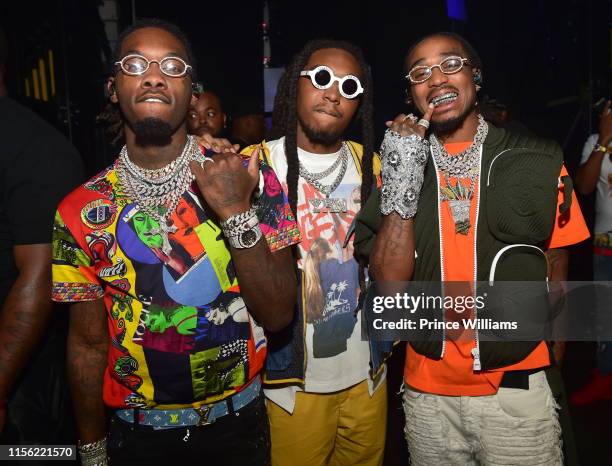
[328, 111]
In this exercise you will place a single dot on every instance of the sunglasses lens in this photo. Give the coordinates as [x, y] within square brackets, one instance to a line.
[173, 66]
[322, 78]
[134, 65]
[350, 86]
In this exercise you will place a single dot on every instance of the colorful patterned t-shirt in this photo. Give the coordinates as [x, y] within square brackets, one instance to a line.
[180, 333]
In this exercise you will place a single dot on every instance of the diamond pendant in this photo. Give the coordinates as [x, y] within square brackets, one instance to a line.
[330, 204]
[164, 230]
[460, 210]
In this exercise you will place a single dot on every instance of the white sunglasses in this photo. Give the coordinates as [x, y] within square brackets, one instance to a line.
[322, 77]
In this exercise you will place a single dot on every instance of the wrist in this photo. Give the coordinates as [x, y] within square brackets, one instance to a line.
[242, 230]
[232, 210]
[600, 147]
[604, 139]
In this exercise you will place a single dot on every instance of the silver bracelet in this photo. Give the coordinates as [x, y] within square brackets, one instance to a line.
[242, 230]
[239, 223]
[94, 454]
[403, 166]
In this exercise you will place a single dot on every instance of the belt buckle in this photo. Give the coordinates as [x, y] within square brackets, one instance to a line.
[204, 413]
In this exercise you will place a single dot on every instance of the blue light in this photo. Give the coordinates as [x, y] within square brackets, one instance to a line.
[456, 9]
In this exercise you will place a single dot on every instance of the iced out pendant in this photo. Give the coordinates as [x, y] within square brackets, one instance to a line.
[329, 204]
[460, 210]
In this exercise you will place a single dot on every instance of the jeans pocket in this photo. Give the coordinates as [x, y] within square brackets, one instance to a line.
[534, 403]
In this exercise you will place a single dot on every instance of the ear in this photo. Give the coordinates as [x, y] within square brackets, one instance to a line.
[224, 120]
[194, 100]
[111, 90]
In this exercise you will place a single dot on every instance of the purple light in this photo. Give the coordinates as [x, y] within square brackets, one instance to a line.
[455, 9]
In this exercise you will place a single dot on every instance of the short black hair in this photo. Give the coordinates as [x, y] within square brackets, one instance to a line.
[3, 49]
[470, 51]
[159, 24]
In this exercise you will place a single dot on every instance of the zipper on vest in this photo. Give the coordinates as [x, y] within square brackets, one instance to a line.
[441, 249]
[476, 350]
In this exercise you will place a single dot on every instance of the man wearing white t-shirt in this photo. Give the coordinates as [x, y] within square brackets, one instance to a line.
[595, 173]
[326, 388]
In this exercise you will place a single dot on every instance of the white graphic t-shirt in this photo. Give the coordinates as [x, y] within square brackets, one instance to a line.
[337, 358]
[603, 201]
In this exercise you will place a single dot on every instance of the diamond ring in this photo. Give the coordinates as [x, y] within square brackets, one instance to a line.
[424, 123]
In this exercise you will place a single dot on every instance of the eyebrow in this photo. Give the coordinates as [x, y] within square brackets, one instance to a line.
[443, 54]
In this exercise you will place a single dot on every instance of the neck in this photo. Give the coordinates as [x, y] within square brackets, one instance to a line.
[465, 132]
[155, 156]
[304, 143]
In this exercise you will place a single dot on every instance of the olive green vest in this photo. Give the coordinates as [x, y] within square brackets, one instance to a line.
[518, 189]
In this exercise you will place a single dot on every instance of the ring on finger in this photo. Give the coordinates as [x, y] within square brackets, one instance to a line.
[206, 159]
[424, 123]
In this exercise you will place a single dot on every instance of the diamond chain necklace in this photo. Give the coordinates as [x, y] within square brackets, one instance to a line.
[313, 178]
[157, 192]
[462, 164]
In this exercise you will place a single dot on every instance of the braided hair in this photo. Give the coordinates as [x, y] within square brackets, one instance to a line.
[285, 119]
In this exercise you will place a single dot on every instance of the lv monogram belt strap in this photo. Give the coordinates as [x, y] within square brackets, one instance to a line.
[199, 416]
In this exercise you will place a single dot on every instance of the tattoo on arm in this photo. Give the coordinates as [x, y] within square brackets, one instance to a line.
[393, 251]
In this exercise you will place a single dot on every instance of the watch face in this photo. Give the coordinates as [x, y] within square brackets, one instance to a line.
[248, 238]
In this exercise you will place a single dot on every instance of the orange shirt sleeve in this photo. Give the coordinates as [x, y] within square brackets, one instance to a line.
[570, 227]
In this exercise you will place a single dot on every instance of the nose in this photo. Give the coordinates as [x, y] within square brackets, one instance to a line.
[437, 77]
[153, 77]
[332, 93]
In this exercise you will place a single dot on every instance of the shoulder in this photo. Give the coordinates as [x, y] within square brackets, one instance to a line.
[98, 187]
[511, 139]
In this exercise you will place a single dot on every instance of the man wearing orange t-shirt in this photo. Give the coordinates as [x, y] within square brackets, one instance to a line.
[489, 203]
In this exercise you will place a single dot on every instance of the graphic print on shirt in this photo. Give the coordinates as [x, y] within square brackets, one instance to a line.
[180, 331]
[331, 284]
[173, 287]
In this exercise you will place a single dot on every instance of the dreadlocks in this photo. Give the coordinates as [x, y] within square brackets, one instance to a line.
[285, 115]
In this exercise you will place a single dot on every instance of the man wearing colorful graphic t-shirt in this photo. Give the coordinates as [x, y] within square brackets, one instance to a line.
[171, 280]
[469, 401]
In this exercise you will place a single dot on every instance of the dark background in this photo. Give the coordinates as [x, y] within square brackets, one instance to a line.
[547, 60]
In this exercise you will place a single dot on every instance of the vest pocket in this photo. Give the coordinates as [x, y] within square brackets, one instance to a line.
[522, 188]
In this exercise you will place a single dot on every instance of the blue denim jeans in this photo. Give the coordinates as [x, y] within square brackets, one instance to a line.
[602, 271]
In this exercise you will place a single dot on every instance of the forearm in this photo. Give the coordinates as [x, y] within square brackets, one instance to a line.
[25, 315]
[267, 283]
[588, 173]
[392, 256]
[86, 363]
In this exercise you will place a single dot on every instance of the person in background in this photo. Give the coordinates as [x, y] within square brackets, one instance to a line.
[595, 173]
[38, 166]
[206, 115]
